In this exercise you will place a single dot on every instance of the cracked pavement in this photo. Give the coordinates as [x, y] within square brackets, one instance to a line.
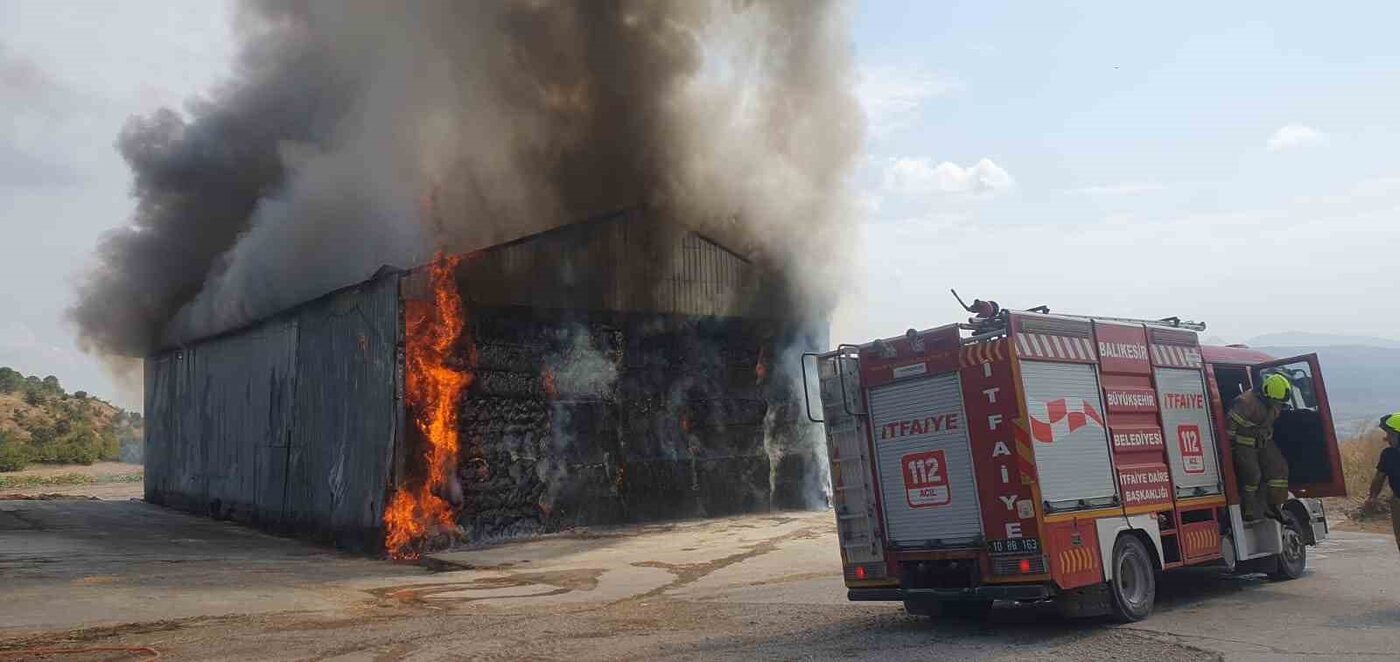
[84, 574]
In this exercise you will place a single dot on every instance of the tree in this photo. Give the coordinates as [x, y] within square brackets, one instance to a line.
[81, 395]
[10, 381]
[52, 385]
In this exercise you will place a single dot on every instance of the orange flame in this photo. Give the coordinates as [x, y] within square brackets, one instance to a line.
[432, 329]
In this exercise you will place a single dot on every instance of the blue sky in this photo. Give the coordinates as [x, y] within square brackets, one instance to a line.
[1231, 162]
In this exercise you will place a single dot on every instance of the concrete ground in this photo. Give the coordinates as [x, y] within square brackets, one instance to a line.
[138, 580]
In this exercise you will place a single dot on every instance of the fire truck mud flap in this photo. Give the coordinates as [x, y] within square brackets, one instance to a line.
[1311, 516]
[1017, 592]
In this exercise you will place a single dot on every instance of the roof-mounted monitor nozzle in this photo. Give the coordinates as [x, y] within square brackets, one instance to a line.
[982, 309]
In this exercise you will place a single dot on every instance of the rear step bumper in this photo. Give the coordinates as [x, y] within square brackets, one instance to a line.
[1010, 592]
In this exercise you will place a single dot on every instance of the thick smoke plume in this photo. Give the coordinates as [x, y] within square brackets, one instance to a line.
[357, 133]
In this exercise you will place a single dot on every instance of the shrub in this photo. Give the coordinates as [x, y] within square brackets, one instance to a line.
[13, 457]
[110, 447]
[42, 435]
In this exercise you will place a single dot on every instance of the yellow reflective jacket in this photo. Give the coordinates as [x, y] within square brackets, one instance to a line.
[1251, 419]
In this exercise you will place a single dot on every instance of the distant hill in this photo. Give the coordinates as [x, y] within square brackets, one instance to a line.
[1296, 339]
[1362, 373]
[41, 422]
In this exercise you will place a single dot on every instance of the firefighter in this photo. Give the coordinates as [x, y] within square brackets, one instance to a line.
[1257, 458]
[1388, 467]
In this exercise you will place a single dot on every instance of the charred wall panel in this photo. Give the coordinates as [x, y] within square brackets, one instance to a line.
[217, 411]
[346, 416]
[159, 407]
[288, 425]
[250, 375]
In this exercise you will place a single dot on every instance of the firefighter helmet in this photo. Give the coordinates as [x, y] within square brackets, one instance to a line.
[1391, 423]
[1276, 387]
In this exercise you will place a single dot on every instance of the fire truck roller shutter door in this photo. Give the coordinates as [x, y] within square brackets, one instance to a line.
[1190, 437]
[925, 463]
[1068, 432]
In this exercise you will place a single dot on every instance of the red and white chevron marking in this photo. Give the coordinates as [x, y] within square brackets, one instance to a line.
[1044, 346]
[1176, 356]
[1060, 420]
[983, 352]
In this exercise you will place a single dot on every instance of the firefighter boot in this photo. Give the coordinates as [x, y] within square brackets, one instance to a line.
[1251, 503]
[1274, 469]
[1247, 467]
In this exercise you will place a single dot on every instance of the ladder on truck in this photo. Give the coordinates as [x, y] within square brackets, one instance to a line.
[990, 319]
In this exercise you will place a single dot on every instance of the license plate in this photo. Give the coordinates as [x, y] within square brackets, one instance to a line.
[1013, 546]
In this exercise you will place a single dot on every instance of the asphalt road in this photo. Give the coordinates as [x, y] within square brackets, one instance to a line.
[135, 579]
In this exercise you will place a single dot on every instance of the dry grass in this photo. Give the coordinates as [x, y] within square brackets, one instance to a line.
[62, 479]
[1359, 455]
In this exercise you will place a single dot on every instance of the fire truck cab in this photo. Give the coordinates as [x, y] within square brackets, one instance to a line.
[1028, 457]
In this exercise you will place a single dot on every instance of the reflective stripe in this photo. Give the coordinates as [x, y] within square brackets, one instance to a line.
[1245, 441]
[1234, 416]
[1278, 483]
[1251, 488]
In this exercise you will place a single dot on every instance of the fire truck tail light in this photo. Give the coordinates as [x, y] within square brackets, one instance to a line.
[1018, 565]
[866, 571]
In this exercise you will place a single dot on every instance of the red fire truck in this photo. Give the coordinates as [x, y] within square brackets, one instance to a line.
[1029, 456]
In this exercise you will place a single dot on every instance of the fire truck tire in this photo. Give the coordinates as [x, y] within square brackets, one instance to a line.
[1134, 584]
[1293, 560]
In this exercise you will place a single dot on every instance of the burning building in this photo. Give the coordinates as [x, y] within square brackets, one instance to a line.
[607, 371]
[635, 366]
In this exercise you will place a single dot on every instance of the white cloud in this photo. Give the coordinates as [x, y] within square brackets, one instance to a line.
[1296, 135]
[921, 177]
[1127, 189]
[891, 96]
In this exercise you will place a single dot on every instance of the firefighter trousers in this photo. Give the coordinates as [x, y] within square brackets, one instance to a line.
[1262, 466]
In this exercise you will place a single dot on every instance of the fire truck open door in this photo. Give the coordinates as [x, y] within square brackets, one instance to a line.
[1304, 431]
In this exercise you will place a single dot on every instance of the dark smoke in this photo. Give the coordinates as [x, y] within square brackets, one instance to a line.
[367, 132]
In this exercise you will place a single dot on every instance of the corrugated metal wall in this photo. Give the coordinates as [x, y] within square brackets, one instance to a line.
[289, 425]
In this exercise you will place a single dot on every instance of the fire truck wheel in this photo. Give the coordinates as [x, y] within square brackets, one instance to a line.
[1294, 557]
[1134, 583]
